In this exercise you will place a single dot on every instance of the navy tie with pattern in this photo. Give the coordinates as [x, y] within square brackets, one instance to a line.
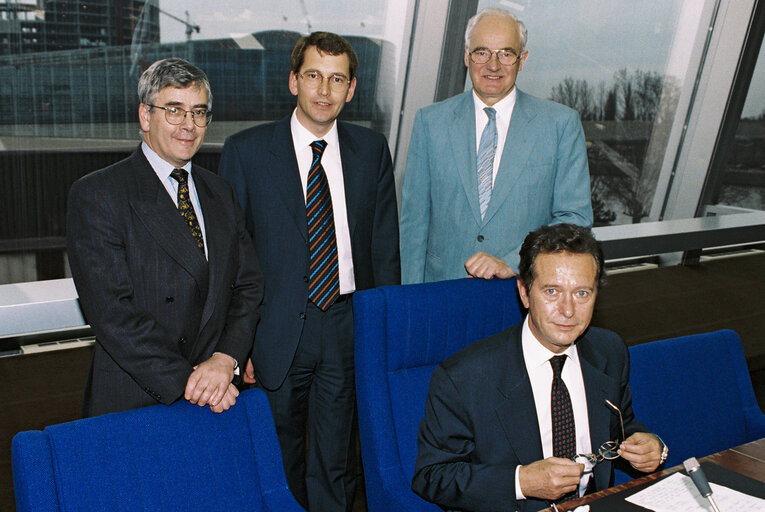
[185, 207]
[323, 279]
[563, 427]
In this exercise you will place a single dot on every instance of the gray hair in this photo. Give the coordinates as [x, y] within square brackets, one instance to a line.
[501, 13]
[171, 72]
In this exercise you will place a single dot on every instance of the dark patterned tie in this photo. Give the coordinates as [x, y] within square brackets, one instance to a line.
[324, 280]
[563, 428]
[186, 209]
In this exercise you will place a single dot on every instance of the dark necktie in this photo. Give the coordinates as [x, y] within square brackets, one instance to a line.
[323, 280]
[186, 209]
[563, 428]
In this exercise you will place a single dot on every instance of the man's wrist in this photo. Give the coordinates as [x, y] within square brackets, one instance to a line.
[236, 363]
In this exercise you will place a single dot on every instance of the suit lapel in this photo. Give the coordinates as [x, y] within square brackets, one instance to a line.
[516, 152]
[517, 406]
[598, 387]
[461, 140]
[215, 222]
[352, 177]
[159, 214]
[285, 175]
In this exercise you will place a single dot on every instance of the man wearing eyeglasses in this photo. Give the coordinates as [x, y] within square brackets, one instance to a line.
[541, 412]
[489, 165]
[165, 270]
[320, 202]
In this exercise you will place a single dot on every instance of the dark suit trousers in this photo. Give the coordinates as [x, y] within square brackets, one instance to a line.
[319, 392]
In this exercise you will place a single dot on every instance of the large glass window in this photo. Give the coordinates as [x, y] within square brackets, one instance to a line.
[70, 70]
[739, 184]
[628, 68]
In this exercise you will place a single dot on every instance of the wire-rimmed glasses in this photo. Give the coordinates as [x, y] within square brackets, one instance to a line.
[607, 451]
[506, 56]
[314, 79]
[175, 115]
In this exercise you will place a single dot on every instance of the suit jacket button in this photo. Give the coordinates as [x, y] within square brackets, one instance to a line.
[233, 285]
[302, 316]
[479, 238]
[182, 341]
[305, 279]
[169, 299]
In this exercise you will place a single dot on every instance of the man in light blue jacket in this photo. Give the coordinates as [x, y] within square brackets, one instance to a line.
[489, 165]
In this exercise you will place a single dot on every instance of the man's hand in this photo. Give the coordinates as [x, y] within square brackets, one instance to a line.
[249, 373]
[485, 266]
[209, 381]
[228, 401]
[550, 478]
[642, 451]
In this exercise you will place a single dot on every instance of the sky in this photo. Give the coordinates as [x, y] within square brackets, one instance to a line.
[581, 39]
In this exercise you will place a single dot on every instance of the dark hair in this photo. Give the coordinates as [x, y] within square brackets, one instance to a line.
[171, 72]
[325, 42]
[558, 238]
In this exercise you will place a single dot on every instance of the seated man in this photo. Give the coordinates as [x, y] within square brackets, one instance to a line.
[537, 413]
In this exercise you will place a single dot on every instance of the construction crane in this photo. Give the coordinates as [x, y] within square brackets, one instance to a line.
[190, 27]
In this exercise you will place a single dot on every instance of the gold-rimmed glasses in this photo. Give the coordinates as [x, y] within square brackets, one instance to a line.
[506, 56]
[607, 451]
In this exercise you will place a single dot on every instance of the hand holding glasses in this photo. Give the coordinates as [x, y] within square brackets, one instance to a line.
[607, 451]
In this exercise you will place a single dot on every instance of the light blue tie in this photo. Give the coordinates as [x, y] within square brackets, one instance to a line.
[486, 151]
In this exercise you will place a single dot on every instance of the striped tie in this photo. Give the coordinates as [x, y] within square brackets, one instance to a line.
[486, 150]
[186, 209]
[323, 281]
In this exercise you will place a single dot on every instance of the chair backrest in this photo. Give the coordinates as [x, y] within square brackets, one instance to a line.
[181, 457]
[695, 392]
[401, 334]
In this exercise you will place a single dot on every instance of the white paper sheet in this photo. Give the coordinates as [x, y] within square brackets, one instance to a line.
[677, 492]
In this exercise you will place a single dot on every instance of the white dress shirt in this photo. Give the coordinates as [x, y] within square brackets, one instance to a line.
[537, 360]
[333, 168]
[163, 170]
[504, 112]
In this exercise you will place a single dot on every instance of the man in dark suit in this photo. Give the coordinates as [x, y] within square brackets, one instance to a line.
[166, 273]
[538, 412]
[319, 199]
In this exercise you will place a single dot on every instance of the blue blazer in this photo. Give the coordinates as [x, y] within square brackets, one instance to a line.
[481, 422]
[543, 178]
[156, 306]
[260, 162]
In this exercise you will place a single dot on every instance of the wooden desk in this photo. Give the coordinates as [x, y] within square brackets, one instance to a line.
[747, 459]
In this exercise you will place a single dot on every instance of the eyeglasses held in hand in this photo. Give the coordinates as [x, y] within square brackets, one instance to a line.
[175, 115]
[607, 451]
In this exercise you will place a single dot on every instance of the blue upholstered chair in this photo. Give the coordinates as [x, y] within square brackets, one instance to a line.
[401, 334]
[181, 457]
[695, 392]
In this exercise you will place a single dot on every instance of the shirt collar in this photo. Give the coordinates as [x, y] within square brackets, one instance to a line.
[537, 355]
[161, 167]
[504, 107]
[302, 137]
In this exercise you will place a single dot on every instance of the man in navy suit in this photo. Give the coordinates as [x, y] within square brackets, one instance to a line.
[489, 165]
[319, 199]
[542, 410]
[165, 271]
